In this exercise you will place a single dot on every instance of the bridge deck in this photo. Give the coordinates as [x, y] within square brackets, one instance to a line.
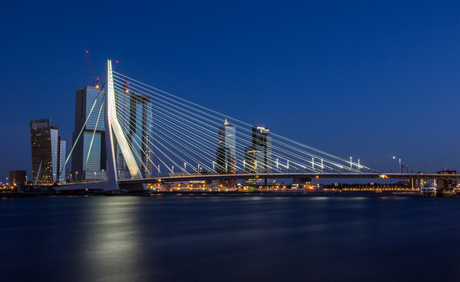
[373, 175]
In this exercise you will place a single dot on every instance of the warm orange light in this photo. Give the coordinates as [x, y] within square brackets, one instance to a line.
[126, 90]
[97, 86]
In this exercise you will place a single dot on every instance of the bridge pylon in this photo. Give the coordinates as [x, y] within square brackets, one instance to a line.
[113, 127]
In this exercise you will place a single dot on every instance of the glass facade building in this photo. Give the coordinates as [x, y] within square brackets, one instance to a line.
[89, 158]
[226, 152]
[253, 160]
[135, 117]
[259, 157]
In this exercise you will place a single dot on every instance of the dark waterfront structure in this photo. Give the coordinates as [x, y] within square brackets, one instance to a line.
[17, 177]
[47, 151]
[92, 139]
[226, 153]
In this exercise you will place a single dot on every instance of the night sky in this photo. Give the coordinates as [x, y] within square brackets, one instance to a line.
[366, 79]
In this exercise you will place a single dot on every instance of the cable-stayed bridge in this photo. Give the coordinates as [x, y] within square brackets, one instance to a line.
[152, 135]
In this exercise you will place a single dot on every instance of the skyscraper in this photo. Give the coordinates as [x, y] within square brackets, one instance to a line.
[135, 118]
[226, 152]
[47, 152]
[262, 143]
[89, 158]
[258, 157]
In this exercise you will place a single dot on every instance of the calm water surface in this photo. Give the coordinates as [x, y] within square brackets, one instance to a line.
[230, 238]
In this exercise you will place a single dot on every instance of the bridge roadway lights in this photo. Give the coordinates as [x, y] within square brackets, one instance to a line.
[296, 175]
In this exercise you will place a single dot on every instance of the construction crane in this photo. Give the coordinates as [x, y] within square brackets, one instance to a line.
[91, 71]
[125, 84]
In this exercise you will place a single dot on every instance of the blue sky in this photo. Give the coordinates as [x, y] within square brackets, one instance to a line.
[366, 79]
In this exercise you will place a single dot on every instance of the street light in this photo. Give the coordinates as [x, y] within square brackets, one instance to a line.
[394, 164]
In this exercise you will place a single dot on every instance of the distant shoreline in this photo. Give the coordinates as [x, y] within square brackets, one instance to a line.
[228, 194]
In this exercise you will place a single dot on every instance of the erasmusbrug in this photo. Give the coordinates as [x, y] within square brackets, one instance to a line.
[152, 135]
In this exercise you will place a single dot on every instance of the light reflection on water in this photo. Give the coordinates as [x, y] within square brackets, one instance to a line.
[113, 239]
[219, 238]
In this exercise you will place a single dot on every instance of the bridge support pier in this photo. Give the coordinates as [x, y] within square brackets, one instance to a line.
[442, 189]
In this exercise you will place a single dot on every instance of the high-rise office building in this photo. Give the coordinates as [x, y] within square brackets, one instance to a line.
[135, 117]
[253, 160]
[89, 158]
[263, 144]
[258, 157]
[47, 152]
[226, 152]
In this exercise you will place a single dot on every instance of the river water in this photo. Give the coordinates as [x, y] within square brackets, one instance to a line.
[230, 238]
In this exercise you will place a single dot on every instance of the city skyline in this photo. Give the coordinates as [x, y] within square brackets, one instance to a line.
[369, 83]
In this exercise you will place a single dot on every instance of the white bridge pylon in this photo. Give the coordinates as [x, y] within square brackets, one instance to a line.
[112, 126]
